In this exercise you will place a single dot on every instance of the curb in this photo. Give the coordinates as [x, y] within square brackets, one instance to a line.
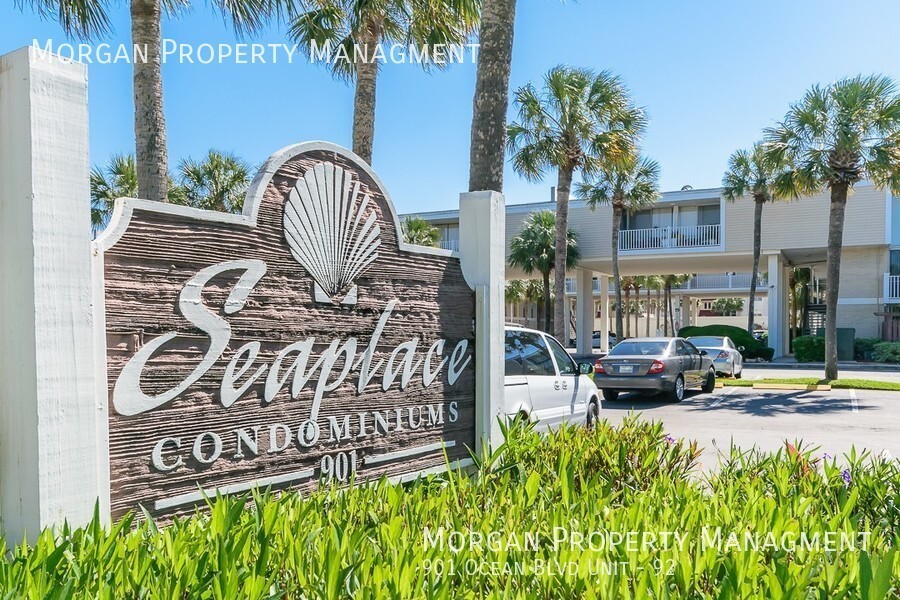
[841, 366]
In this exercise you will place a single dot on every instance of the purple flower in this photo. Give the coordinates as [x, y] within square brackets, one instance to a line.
[826, 456]
[845, 475]
[670, 439]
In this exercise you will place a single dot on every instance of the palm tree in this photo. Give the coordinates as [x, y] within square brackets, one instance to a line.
[753, 173]
[351, 31]
[638, 284]
[534, 249]
[627, 284]
[79, 18]
[534, 293]
[417, 230]
[218, 182]
[834, 137]
[488, 145]
[579, 121]
[246, 16]
[653, 282]
[514, 292]
[118, 179]
[629, 186]
[671, 281]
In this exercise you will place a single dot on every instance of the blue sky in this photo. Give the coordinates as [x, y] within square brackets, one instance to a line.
[711, 74]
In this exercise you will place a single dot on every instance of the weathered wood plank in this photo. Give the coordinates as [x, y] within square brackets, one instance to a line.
[145, 274]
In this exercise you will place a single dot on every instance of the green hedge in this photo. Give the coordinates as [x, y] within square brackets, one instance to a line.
[864, 346]
[370, 541]
[887, 352]
[752, 347]
[809, 348]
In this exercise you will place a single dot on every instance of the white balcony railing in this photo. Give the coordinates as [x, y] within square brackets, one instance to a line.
[722, 282]
[450, 245]
[660, 238]
[891, 288]
[737, 281]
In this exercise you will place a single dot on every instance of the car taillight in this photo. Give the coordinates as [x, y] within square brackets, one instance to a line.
[657, 367]
[598, 367]
[722, 354]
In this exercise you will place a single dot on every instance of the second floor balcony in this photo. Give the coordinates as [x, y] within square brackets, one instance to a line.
[891, 289]
[666, 238]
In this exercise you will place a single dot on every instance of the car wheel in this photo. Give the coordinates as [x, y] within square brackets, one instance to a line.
[677, 393]
[610, 395]
[738, 374]
[593, 412]
[710, 384]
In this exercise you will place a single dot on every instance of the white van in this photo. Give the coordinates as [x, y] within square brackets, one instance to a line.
[542, 377]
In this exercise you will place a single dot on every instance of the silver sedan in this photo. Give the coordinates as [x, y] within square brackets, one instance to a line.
[725, 353]
[669, 365]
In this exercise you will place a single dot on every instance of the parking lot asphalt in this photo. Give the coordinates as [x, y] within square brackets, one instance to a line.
[834, 421]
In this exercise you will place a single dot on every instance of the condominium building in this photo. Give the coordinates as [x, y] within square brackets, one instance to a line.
[698, 232]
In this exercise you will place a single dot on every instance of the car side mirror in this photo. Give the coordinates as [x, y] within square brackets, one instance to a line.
[741, 348]
[703, 353]
[585, 368]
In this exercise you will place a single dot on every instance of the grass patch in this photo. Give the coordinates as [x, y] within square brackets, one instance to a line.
[369, 541]
[849, 384]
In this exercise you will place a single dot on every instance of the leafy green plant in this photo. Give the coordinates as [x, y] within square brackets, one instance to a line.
[386, 540]
[887, 352]
[864, 348]
[809, 348]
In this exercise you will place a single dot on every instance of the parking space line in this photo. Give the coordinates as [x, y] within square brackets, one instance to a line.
[726, 391]
[854, 404]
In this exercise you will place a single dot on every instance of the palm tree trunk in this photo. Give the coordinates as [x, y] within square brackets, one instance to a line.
[149, 120]
[648, 311]
[757, 247]
[487, 151]
[669, 314]
[364, 97]
[658, 292]
[564, 183]
[637, 311]
[833, 275]
[628, 313]
[617, 279]
[547, 303]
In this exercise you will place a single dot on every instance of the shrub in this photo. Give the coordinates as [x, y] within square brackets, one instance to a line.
[863, 348]
[887, 352]
[809, 348]
[739, 336]
[764, 353]
[370, 541]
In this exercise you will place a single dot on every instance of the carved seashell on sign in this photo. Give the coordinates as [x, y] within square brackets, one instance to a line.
[331, 228]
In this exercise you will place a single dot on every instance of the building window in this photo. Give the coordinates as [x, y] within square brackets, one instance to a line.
[895, 262]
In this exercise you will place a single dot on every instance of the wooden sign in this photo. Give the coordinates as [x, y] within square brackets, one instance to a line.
[300, 342]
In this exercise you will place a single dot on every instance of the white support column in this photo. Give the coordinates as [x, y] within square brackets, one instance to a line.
[776, 304]
[604, 311]
[50, 418]
[584, 311]
[482, 251]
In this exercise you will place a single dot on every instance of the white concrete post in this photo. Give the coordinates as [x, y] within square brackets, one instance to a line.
[604, 311]
[775, 305]
[584, 311]
[482, 252]
[50, 418]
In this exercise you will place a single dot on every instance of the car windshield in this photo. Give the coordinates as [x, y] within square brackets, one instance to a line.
[649, 348]
[714, 342]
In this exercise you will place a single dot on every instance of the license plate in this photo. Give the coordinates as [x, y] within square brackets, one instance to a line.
[626, 368]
